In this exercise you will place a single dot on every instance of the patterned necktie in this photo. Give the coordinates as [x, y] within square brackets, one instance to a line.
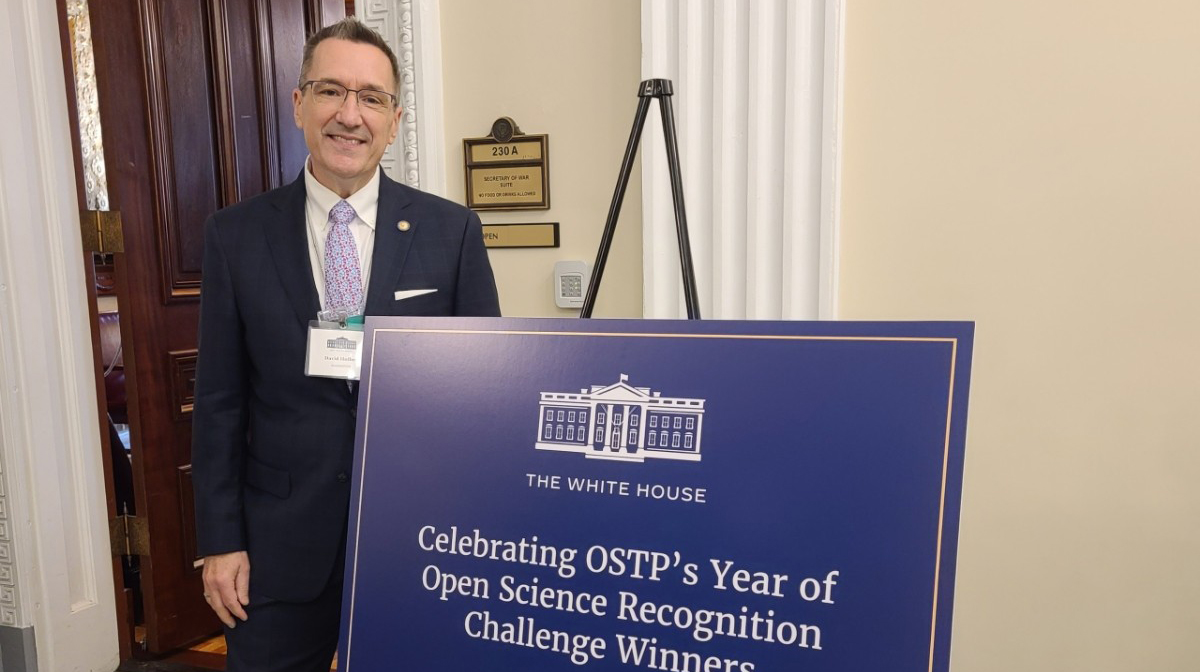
[343, 280]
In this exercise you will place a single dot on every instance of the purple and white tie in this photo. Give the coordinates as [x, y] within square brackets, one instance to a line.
[343, 280]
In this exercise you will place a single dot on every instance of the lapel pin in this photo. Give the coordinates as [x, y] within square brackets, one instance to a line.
[403, 225]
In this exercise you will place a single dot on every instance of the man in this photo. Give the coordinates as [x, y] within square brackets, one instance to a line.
[272, 447]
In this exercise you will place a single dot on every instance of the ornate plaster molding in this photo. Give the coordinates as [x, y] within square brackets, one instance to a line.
[394, 20]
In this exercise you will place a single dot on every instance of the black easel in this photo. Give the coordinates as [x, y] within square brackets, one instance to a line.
[660, 89]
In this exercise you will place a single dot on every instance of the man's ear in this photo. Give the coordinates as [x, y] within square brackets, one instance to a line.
[297, 96]
[396, 124]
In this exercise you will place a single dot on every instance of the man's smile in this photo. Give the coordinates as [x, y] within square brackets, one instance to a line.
[343, 140]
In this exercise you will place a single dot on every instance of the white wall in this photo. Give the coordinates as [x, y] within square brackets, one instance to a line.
[569, 69]
[1034, 166]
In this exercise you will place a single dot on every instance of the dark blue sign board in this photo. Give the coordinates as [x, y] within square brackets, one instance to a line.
[694, 496]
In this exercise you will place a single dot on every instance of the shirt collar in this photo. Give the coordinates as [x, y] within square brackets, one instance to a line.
[365, 201]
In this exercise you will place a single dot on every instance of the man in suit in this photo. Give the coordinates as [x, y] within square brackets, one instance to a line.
[272, 446]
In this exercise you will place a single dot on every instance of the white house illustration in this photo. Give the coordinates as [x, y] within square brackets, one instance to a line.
[341, 343]
[620, 422]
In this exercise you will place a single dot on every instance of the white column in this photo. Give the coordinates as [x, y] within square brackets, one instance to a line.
[430, 136]
[412, 29]
[757, 111]
[55, 568]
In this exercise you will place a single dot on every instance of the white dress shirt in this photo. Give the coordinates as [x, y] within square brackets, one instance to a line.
[318, 202]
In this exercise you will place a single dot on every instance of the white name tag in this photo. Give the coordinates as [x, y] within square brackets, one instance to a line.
[333, 351]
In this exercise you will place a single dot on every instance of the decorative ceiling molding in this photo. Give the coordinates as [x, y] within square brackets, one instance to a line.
[394, 20]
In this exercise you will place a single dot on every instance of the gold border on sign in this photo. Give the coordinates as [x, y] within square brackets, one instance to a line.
[937, 568]
[542, 163]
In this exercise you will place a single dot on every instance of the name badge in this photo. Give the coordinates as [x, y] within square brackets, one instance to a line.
[334, 351]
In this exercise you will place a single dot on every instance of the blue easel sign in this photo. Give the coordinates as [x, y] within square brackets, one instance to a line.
[655, 495]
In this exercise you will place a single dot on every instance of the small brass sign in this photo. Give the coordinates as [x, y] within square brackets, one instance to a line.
[509, 152]
[542, 234]
[507, 170]
[506, 186]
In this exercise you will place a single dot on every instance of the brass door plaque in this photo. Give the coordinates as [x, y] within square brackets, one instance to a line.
[508, 152]
[541, 234]
[506, 186]
[507, 170]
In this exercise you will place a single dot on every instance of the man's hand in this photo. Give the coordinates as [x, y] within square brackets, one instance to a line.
[227, 585]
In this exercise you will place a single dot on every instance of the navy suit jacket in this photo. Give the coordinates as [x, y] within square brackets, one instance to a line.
[271, 447]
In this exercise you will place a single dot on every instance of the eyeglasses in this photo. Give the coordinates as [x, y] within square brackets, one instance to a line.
[334, 94]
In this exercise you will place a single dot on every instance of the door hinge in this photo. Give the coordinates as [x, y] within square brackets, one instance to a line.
[129, 535]
[102, 231]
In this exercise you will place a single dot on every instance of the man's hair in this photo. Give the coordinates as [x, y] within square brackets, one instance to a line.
[351, 30]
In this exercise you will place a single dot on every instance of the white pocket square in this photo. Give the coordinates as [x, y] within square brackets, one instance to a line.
[409, 293]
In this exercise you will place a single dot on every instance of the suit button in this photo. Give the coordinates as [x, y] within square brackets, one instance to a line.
[343, 477]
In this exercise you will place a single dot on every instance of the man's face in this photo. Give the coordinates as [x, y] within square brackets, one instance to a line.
[345, 139]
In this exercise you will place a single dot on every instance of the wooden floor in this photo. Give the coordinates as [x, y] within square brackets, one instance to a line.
[214, 645]
[206, 655]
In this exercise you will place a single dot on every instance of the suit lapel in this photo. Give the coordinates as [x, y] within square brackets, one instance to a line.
[391, 246]
[288, 240]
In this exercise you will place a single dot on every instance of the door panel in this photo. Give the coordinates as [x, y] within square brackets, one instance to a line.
[189, 127]
[285, 42]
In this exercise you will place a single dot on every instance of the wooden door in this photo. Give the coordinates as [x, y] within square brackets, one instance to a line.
[195, 107]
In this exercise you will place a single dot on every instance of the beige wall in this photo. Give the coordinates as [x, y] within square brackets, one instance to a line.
[568, 69]
[1034, 165]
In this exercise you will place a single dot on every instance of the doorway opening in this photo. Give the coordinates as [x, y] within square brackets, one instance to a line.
[193, 100]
